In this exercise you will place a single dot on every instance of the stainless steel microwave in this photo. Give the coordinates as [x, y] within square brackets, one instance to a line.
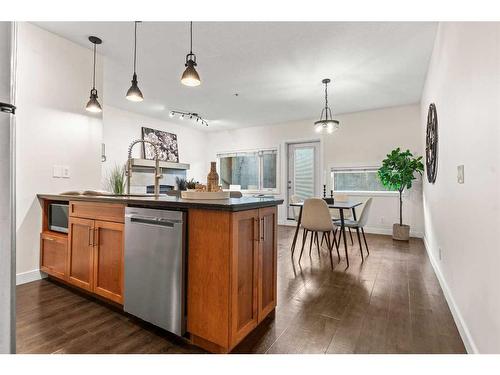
[58, 217]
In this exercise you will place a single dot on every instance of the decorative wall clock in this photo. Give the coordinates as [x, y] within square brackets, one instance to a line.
[431, 144]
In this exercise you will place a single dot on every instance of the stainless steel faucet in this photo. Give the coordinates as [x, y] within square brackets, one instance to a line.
[158, 175]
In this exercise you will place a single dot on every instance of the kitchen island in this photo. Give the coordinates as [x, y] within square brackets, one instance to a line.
[231, 258]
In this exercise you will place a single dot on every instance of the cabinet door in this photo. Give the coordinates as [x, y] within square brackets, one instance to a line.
[267, 261]
[108, 260]
[81, 242]
[244, 273]
[53, 254]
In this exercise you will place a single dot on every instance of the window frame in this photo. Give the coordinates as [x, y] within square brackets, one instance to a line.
[260, 165]
[358, 192]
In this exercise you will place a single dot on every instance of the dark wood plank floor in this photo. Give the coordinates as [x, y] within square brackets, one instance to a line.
[391, 303]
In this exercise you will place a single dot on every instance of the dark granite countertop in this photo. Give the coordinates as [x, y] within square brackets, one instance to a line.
[164, 201]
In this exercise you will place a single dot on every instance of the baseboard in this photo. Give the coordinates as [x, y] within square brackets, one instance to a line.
[373, 230]
[29, 276]
[470, 346]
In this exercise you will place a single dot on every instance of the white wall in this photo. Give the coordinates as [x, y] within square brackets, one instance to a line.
[364, 139]
[122, 127]
[463, 220]
[53, 128]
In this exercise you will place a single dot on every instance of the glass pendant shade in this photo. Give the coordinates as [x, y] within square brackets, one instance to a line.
[190, 76]
[134, 94]
[326, 123]
[93, 104]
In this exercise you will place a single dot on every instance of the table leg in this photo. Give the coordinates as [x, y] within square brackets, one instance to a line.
[297, 230]
[342, 228]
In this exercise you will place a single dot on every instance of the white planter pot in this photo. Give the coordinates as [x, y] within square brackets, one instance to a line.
[400, 232]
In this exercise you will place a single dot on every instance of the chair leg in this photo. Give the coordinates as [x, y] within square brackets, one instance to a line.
[322, 238]
[311, 242]
[330, 248]
[364, 238]
[350, 235]
[304, 239]
[337, 243]
[360, 247]
[317, 245]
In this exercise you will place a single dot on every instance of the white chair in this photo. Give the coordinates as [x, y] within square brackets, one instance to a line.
[316, 218]
[296, 210]
[359, 224]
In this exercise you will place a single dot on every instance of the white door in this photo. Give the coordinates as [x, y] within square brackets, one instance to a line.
[303, 172]
[7, 253]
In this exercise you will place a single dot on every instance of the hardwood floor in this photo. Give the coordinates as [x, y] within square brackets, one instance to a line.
[391, 303]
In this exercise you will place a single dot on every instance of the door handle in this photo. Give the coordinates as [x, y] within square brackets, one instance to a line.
[91, 237]
[262, 231]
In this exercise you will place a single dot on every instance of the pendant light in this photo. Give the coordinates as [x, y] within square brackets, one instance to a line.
[134, 94]
[190, 76]
[326, 123]
[93, 104]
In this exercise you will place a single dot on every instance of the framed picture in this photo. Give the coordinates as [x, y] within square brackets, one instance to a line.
[167, 145]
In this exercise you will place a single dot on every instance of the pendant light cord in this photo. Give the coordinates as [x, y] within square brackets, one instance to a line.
[191, 34]
[93, 77]
[326, 101]
[135, 44]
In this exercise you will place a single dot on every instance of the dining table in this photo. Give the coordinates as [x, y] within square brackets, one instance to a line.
[332, 203]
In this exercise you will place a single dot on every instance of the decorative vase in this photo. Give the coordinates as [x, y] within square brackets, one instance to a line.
[401, 232]
[213, 178]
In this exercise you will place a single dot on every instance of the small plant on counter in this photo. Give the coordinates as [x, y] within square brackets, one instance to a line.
[397, 173]
[181, 183]
[116, 180]
[191, 184]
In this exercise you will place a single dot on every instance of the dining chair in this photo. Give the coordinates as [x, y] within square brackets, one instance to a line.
[335, 213]
[296, 213]
[316, 218]
[359, 225]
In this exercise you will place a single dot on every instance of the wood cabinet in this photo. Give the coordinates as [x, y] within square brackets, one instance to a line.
[91, 256]
[53, 254]
[108, 260]
[96, 248]
[232, 282]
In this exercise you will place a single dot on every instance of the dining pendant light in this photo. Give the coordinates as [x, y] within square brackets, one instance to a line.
[326, 124]
[190, 76]
[134, 94]
[93, 104]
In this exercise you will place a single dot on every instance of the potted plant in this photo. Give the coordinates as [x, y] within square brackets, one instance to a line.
[397, 173]
[116, 180]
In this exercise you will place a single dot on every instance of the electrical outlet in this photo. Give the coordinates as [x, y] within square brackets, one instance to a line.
[440, 254]
[65, 171]
[57, 171]
[460, 174]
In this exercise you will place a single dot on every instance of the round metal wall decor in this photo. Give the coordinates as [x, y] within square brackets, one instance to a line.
[431, 144]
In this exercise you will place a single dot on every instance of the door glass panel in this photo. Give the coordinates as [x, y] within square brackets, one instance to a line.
[304, 173]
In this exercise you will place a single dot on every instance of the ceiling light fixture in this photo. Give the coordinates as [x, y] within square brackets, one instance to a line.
[190, 76]
[191, 115]
[93, 104]
[134, 94]
[326, 123]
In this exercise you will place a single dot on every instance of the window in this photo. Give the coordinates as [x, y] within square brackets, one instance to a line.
[356, 179]
[252, 170]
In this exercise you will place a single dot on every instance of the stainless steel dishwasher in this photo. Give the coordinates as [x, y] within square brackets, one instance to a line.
[155, 267]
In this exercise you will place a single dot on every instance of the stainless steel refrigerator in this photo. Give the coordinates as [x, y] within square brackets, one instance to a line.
[7, 189]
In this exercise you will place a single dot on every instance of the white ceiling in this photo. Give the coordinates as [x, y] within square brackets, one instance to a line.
[275, 67]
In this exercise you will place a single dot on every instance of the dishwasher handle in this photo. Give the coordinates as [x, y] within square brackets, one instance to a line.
[155, 221]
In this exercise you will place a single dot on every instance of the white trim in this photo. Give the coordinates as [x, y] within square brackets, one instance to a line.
[465, 334]
[29, 276]
[372, 230]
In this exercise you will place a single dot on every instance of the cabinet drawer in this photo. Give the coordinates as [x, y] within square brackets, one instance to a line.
[53, 254]
[98, 211]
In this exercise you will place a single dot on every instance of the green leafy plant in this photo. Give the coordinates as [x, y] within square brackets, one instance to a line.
[181, 183]
[116, 179]
[191, 184]
[398, 172]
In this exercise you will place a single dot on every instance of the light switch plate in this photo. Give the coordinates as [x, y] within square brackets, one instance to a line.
[57, 171]
[65, 171]
[460, 174]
